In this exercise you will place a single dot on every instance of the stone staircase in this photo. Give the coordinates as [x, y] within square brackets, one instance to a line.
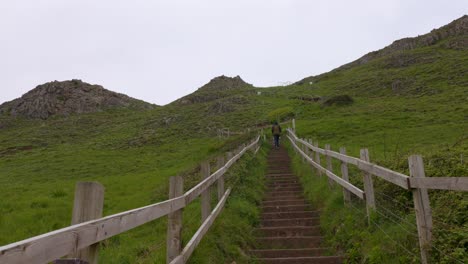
[289, 231]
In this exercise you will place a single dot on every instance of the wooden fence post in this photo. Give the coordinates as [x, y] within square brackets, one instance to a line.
[205, 195]
[220, 164]
[345, 176]
[303, 148]
[174, 220]
[329, 166]
[88, 204]
[294, 125]
[317, 159]
[422, 207]
[368, 185]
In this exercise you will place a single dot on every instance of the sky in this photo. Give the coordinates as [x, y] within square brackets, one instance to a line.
[159, 51]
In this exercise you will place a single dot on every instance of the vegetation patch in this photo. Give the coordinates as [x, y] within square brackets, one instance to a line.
[339, 100]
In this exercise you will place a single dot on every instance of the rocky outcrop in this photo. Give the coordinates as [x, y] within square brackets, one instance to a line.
[457, 29]
[452, 36]
[222, 83]
[217, 88]
[68, 97]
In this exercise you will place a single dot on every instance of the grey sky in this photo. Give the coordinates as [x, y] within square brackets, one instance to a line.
[159, 51]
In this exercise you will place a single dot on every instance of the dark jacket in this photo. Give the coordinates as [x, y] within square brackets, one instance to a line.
[276, 130]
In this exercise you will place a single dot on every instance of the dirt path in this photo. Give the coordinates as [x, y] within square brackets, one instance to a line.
[289, 231]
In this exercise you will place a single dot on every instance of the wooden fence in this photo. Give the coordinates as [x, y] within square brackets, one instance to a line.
[417, 183]
[88, 228]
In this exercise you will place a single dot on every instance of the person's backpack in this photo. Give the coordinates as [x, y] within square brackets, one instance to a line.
[276, 130]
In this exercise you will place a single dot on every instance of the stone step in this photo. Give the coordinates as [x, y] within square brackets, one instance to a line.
[287, 253]
[307, 221]
[302, 260]
[285, 202]
[285, 193]
[273, 197]
[288, 231]
[287, 184]
[282, 186]
[290, 215]
[284, 189]
[288, 243]
[283, 181]
[285, 208]
[281, 174]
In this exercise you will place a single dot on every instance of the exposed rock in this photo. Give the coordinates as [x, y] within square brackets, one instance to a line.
[308, 98]
[222, 83]
[217, 88]
[339, 100]
[68, 97]
[227, 105]
[457, 28]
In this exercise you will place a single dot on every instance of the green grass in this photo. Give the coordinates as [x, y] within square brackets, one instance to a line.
[391, 234]
[133, 153]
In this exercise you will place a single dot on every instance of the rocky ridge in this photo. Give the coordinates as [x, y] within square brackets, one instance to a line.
[66, 98]
[453, 35]
[216, 88]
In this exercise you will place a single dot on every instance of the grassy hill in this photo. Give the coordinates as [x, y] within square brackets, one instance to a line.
[401, 101]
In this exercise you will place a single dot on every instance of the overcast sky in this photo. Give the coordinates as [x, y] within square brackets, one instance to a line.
[159, 51]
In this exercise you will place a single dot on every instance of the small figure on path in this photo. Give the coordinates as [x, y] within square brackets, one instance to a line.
[276, 131]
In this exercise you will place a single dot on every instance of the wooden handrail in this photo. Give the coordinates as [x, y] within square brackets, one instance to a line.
[397, 178]
[53, 245]
[350, 187]
[193, 243]
[394, 177]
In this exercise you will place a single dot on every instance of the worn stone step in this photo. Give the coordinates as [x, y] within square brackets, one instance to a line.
[307, 221]
[288, 231]
[302, 260]
[285, 202]
[287, 184]
[285, 253]
[290, 242]
[284, 189]
[282, 182]
[285, 193]
[285, 208]
[273, 197]
[282, 179]
[290, 215]
[292, 186]
[280, 174]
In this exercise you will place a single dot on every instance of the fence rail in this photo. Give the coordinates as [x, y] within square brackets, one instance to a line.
[417, 183]
[70, 240]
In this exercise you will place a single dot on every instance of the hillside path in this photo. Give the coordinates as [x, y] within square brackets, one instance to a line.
[289, 231]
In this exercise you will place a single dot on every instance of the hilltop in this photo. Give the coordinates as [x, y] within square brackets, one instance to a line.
[216, 88]
[66, 98]
[402, 54]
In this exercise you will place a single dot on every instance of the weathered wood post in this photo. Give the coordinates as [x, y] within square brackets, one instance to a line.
[311, 153]
[294, 125]
[88, 204]
[329, 165]
[345, 176]
[205, 195]
[174, 220]
[368, 185]
[219, 165]
[422, 208]
[303, 148]
[317, 159]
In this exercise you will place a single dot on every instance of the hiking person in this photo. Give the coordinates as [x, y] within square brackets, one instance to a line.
[276, 131]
